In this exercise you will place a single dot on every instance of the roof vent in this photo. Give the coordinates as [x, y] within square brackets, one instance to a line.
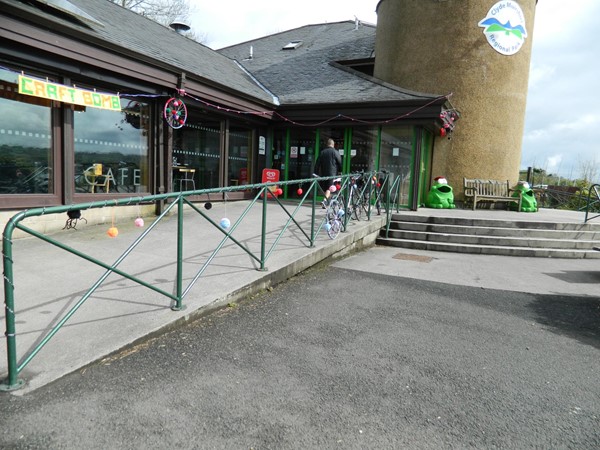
[293, 45]
[179, 26]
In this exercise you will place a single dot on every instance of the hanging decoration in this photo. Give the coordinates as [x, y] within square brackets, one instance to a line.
[208, 204]
[113, 232]
[139, 222]
[225, 223]
[74, 217]
[175, 112]
[449, 118]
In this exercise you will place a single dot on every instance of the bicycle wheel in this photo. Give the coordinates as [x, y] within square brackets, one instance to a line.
[335, 227]
[333, 218]
[357, 205]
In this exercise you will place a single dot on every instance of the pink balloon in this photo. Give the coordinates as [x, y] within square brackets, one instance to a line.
[332, 188]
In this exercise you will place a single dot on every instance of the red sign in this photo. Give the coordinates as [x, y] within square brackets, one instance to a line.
[270, 175]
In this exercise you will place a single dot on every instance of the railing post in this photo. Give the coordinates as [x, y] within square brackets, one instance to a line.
[388, 194]
[12, 382]
[313, 213]
[263, 233]
[179, 282]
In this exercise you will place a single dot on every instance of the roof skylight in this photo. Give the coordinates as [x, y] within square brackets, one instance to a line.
[293, 45]
[70, 9]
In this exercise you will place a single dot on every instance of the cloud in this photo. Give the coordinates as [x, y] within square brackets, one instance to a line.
[561, 117]
[562, 93]
[254, 19]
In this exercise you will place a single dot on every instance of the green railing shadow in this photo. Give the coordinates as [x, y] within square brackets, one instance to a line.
[180, 199]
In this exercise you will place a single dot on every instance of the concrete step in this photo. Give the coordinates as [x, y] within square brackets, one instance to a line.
[494, 240]
[520, 237]
[497, 223]
[522, 232]
[489, 249]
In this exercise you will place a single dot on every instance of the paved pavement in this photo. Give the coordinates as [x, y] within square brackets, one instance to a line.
[49, 281]
[532, 275]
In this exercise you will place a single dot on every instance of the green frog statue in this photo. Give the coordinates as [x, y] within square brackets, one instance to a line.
[528, 201]
[441, 195]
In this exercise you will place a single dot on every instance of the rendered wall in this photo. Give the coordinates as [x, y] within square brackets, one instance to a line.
[438, 46]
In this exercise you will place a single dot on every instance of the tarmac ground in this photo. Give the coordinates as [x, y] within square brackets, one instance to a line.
[49, 281]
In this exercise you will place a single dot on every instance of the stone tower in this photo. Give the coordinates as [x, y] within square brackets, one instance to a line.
[478, 50]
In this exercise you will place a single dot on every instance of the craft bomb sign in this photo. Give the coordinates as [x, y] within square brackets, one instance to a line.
[504, 27]
[77, 96]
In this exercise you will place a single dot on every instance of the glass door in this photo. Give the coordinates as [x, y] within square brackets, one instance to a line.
[397, 157]
[301, 159]
[239, 158]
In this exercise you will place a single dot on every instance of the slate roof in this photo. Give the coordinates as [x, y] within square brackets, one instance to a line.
[124, 29]
[305, 75]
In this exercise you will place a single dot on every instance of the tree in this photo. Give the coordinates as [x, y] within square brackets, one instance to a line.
[589, 171]
[164, 12]
[161, 11]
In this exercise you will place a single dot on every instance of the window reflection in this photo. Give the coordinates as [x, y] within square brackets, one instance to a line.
[239, 156]
[396, 156]
[301, 157]
[363, 151]
[25, 140]
[197, 147]
[112, 148]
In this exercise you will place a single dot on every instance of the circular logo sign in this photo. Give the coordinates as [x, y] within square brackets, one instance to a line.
[504, 27]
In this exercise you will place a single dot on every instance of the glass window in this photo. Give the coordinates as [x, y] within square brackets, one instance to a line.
[197, 155]
[239, 157]
[396, 156]
[363, 150]
[112, 149]
[301, 157]
[26, 159]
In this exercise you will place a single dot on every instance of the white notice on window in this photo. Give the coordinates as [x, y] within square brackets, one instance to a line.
[396, 151]
[262, 145]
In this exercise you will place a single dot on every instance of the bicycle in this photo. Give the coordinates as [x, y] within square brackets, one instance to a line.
[334, 218]
[354, 204]
[334, 210]
[370, 194]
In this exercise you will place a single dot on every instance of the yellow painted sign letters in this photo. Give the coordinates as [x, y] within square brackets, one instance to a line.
[77, 96]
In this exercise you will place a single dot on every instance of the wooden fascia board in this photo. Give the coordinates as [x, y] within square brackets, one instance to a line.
[401, 111]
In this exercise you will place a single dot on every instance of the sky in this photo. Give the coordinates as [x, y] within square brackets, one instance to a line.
[562, 104]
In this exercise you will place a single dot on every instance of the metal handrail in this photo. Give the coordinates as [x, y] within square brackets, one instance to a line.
[391, 201]
[592, 204]
[263, 193]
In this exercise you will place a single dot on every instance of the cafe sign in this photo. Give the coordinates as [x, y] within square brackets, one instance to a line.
[61, 93]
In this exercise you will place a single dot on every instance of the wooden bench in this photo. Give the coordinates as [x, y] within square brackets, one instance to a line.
[490, 191]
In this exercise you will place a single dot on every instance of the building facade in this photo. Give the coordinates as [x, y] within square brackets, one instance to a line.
[97, 102]
[478, 50]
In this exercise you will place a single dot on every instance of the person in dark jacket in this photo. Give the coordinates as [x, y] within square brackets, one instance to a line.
[328, 164]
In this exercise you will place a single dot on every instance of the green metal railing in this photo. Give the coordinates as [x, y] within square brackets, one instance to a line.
[179, 200]
[593, 202]
[570, 198]
[392, 199]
